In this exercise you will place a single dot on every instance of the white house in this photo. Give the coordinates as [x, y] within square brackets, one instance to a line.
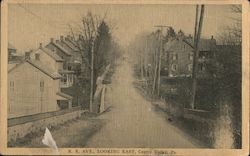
[34, 88]
[51, 58]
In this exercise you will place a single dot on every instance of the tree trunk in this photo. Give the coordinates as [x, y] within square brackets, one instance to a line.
[155, 72]
[159, 68]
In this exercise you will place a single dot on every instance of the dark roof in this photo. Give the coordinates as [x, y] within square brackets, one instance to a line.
[41, 67]
[52, 54]
[64, 95]
[61, 48]
[204, 44]
[66, 71]
[70, 44]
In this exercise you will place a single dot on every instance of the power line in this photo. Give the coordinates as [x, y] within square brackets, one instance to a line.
[37, 16]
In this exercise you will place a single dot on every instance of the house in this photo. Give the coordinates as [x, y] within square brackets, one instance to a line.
[67, 71]
[34, 88]
[11, 51]
[46, 56]
[55, 47]
[13, 56]
[76, 65]
[178, 56]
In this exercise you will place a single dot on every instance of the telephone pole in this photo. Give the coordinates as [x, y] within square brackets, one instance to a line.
[160, 55]
[197, 34]
[91, 78]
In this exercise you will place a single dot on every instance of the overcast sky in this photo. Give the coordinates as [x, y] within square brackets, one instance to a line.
[30, 24]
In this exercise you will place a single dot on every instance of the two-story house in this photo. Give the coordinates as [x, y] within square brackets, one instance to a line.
[177, 61]
[178, 56]
[33, 87]
[71, 46]
[67, 72]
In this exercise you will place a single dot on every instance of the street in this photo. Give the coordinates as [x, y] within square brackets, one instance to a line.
[132, 121]
[129, 122]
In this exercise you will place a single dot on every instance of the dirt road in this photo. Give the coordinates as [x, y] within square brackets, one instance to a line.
[132, 121]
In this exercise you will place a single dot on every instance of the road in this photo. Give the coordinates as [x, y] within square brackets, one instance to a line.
[132, 121]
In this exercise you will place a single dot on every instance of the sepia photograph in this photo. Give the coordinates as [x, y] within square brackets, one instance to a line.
[124, 78]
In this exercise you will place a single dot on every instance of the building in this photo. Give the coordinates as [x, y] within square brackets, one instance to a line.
[34, 88]
[178, 56]
[78, 89]
[67, 71]
[13, 56]
[48, 57]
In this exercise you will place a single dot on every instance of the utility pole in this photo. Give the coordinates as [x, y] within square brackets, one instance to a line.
[91, 77]
[197, 34]
[160, 55]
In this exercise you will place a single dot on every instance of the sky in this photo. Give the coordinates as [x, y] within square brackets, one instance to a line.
[31, 24]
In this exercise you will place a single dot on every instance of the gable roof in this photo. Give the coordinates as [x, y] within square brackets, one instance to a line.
[64, 95]
[204, 44]
[40, 66]
[61, 48]
[52, 54]
[70, 44]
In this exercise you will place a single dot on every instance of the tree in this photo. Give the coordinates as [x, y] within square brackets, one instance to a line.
[228, 72]
[86, 45]
[170, 34]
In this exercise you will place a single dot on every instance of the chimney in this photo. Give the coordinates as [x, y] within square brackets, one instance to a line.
[61, 38]
[52, 40]
[40, 45]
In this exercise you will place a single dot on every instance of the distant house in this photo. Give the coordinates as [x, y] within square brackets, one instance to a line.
[48, 57]
[178, 56]
[13, 57]
[34, 88]
[67, 71]
[54, 46]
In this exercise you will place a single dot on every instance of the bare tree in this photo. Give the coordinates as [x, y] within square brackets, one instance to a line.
[86, 43]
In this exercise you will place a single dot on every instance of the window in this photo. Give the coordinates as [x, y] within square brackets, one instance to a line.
[37, 56]
[190, 56]
[190, 67]
[42, 86]
[202, 67]
[175, 56]
[69, 68]
[64, 79]
[184, 46]
[174, 67]
[12, 85]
